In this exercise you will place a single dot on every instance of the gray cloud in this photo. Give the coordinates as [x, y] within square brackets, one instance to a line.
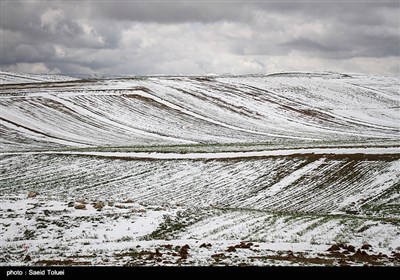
[180, 37]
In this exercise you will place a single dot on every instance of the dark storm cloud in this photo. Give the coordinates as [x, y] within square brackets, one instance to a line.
[172, 11]
[195, 37]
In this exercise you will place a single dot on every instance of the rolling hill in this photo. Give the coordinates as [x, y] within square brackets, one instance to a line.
[199, 170]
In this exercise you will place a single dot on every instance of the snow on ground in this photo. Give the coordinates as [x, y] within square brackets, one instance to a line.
[128, 233]
[282, 169]
[179, 110]
[18, 78]
[231, 155]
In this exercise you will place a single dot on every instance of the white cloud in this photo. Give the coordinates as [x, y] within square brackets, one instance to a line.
[60, 52]
[51, 19]
[33, 68]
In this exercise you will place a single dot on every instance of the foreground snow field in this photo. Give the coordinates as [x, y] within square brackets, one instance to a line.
[283, 169]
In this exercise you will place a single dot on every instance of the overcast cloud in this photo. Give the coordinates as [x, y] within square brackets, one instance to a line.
[188, 37]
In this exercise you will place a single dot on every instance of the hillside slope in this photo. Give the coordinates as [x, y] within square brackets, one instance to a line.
[282, 169]
[199, 110]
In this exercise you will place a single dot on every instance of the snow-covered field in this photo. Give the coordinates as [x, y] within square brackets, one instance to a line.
[246, 170]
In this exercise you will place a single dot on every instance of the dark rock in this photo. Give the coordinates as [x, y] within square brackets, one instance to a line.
[157, 253]
[360, 254]
[243, 245]
[32, 194]
[204, 245]
[366, 246]
[183, 252]
[168, 246]
[231, 249]
[218, 256]
[98, 205]
[334, 248]
[351, 248]
[80, 206]
[27, 258]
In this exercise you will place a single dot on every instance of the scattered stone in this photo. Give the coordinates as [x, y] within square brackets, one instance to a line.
[244, 245]
[204, 245]
[351, 248]
[32, 194]
[127, 201]
[360, 254]
[134, 210]
[71, 204]
[122, 206]
[98, 205]
[396, 256]
[366, 246]
[80, 206]
[183, 252]
[231, 249]
[218, 256]
[157, 253]
[46, 212]
[168, 246]
[27, 258]
[334, 248]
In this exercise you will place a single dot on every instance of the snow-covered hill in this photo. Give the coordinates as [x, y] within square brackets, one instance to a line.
[198, 110]
[243, 170]
[7, 77]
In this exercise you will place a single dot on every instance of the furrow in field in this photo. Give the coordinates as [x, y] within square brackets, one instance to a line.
[334, 185]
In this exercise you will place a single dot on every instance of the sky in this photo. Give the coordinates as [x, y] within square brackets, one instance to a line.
[199, 37]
